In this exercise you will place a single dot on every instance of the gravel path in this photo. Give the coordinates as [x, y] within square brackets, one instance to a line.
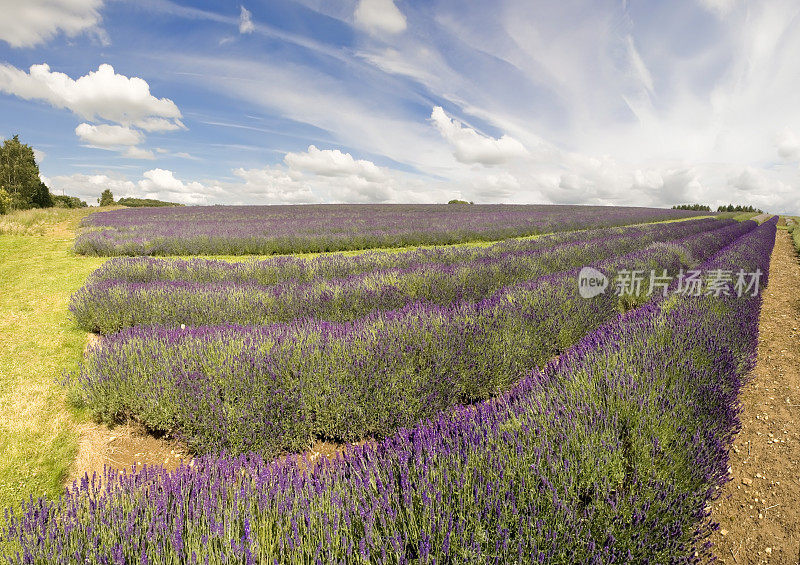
[759, 510]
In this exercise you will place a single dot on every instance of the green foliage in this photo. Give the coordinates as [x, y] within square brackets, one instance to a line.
[696, 207]
[19, 177]
[5, 201]
[144, 203]
[739, 208]
[41, 197]
[455, 201]
[63, 201]
[795, 233]
[106, 198]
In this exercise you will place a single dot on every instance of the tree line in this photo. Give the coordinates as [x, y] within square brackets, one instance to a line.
[726, 208]
[21, 188]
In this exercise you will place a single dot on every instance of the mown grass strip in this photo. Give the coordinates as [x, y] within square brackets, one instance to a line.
[40, 340]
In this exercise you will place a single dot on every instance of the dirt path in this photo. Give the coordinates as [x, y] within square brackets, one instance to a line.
[759, 510]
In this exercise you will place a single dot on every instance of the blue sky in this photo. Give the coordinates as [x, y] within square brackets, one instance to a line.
[295, 101]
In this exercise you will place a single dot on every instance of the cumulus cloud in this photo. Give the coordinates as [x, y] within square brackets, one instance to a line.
[246, 22]
[105, 135]
[379, 17]
[89, 187]
[471, 147]
[162, 184]
[27, 23]
[333, 163]
[273, 185]
[101, 94]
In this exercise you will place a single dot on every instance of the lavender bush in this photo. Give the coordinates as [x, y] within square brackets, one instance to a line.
[610, 454]
[273, 389]
[275, 270]
[267, 230]
[107, 305]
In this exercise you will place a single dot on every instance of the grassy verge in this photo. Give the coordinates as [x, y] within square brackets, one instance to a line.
[55, 222]
[793, 225]
[38, 273]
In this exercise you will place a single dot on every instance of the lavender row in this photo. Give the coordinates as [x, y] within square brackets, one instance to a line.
[267, 230]
[611, 454]
[274, 389]
[109, 305]
[337, 265]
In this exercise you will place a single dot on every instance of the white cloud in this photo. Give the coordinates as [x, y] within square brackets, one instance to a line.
[788, 145]
[105, 135]
[89, 187]
[26, 23]
[719, 7]
[379, 17]
[99, 95]
[138, 153]
[637, 64]
[471, 147]
[162, 184]
[333, 163]
[246, 22]
[496, 187]
[273, 185]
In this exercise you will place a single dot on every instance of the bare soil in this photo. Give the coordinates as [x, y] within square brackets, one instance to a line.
[128, 446]
[759, 509]
[121, 447]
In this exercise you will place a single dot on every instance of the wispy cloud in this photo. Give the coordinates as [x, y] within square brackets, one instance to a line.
[245, 21]
[605, 103]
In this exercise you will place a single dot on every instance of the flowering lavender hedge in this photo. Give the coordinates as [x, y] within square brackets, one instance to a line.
[275, 270]
[267, 230]
[273, 389]
[107, 305]
[610, 454]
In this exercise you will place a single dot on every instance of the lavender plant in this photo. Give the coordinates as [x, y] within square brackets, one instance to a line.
[276, 270]
[267, 230]
[108, 305]
[610, 454]
[273, 389]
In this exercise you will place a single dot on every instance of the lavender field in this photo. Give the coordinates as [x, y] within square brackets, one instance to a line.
[495, 415]
[268, 230]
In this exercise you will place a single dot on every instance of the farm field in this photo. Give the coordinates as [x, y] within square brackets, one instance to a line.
[272, 388]
[270, 230]
[465, 376]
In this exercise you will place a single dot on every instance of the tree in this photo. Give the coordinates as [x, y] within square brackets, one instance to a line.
[62, 201]
[41, 197]
[19, 175]
[107, 198]
[5, 201]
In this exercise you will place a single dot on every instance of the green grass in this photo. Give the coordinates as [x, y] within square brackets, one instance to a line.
[48, 221]
[738, 216]
[38, 273]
